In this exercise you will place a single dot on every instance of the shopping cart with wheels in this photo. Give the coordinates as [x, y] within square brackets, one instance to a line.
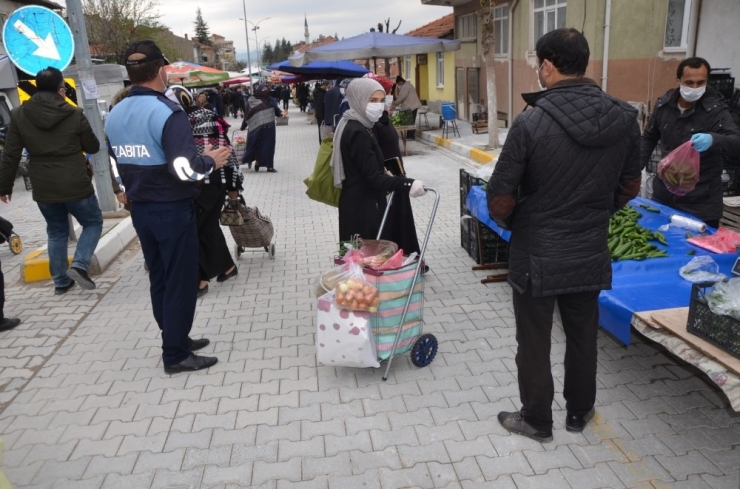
[257, 231]
[398, 324]
[8, 235]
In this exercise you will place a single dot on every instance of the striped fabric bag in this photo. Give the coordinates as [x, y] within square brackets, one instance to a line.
[393, 286]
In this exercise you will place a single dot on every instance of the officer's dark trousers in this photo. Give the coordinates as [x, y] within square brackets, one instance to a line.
[169, 240]
[580, 316]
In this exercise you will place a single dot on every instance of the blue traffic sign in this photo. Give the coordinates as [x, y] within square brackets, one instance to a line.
[36, 38]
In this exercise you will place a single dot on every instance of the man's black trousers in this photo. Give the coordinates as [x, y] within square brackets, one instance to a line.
[580, 316]
[169, 241]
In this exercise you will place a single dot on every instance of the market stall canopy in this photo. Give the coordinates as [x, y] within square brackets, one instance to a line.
[193, 75]
[373, 45]
[242, 80]
[324, 69]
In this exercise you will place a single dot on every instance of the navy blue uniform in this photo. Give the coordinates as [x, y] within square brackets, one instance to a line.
[160, 168]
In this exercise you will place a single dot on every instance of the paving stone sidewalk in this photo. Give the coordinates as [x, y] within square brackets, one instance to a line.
[86, 404]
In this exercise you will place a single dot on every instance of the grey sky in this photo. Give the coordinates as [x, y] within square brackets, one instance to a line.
[346, 18]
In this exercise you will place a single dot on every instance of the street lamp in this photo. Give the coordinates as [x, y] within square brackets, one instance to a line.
[246, 32]
[254, 28]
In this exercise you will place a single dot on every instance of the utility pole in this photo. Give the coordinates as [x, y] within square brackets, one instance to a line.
[246, 32]
[89, 93]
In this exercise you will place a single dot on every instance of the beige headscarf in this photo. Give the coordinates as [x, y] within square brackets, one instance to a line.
[359, 92]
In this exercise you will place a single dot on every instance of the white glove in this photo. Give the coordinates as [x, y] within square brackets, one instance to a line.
[417, 189]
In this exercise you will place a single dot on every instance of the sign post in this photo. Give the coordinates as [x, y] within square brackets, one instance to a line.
[100, 160]
[36, 38]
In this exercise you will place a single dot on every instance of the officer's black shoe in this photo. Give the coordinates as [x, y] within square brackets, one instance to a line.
[9, 323]
[196, 345]
[191, 364]
[514, 423]
[577, 422]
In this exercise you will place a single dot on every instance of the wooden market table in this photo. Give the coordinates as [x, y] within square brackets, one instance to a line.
[402, 130]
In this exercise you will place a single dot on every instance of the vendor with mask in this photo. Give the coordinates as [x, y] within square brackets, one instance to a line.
[695, 112]
[357, 165]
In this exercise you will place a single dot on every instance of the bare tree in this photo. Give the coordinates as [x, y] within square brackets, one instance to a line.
[387, 27]
[114, 24]
[488, 41]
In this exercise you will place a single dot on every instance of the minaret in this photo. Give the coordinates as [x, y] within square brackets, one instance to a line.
[305, 32]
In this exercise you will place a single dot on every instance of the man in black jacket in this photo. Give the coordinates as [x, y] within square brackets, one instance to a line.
[318, 103]
[567, 164]
[695, 112]
[332, 99]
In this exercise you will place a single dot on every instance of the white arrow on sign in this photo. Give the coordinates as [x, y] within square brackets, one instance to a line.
[45, 47]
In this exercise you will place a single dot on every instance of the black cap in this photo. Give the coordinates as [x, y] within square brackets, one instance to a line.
[146, 47]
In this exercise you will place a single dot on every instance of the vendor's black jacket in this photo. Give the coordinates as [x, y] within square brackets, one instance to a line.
[318, 103]
[568, 162]
[366, 185]
[672, 128]
[332, 99]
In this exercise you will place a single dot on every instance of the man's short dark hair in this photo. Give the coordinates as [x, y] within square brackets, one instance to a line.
[692, 63]
[144, 72]
[49, 80]
[566, 48]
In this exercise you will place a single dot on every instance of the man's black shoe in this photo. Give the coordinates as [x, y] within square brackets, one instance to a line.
[65, 289]
[577, 422]
[80, 276]
[226, 276]
[196, 345]
[191, 364]
[9, 323]
[514, 423]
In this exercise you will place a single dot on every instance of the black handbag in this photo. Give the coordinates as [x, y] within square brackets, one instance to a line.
[231, 214]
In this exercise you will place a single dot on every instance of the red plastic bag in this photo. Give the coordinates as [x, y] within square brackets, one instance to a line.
[723, 241]
[679, 170]
[394, 262]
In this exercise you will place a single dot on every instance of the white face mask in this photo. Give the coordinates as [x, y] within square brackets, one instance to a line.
[692, 94]
[343, 91]
[374, 111]
[163, 80]
[539, 81]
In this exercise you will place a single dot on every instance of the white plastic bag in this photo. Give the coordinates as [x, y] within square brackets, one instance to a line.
[701, 269]
[724, 298]
[343, 338]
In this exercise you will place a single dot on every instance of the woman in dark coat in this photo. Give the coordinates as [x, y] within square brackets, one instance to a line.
[260, 116]
[301, 93]
[209, 130]
[400, 223]
[357, 165]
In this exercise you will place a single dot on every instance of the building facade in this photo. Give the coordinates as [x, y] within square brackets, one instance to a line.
[645, 41]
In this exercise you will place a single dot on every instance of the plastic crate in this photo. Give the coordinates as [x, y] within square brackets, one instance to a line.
[467, 181]
[652, 164]
[730, 180]
[483, 244]
[724, 83]
[720, 330]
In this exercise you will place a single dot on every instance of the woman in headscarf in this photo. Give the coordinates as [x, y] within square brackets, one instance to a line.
[260, 116]
[209, 130]
[357, 165]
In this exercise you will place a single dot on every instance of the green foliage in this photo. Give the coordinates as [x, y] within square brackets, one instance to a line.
[202, 34]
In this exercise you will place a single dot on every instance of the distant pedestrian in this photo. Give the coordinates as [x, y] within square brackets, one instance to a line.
[301, 93]
[568, 163]
[319, 92]
[55, 134]
[344, 104]
[260, 118]
[285, 96]
[332, 99]
[162, 172]
[204, 103]
[407, 99]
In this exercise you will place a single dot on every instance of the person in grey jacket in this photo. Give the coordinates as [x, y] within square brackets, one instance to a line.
[693, 111]
[568, 163]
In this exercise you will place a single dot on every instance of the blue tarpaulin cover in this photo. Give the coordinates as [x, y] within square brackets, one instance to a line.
[646, 285]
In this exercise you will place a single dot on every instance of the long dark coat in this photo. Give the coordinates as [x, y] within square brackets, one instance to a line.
[366, 185]
[400, 225]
